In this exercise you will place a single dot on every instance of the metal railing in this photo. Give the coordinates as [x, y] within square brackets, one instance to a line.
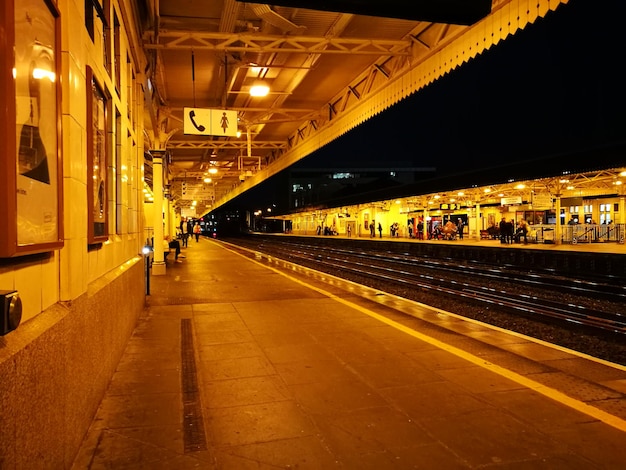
[580, 233]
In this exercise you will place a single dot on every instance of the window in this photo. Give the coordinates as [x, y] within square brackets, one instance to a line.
[98, 161]
[93, 10]
[117, 48]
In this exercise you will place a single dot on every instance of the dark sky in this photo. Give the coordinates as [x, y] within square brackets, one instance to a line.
[549, 99]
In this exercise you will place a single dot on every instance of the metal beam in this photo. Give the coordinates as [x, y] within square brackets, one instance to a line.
[218, 145]
[259, 43]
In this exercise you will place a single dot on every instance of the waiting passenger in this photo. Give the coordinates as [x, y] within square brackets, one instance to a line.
[459, 228]
[503, 230]
[420, 230]
[510, 231]
[522, 231]
[169, 243]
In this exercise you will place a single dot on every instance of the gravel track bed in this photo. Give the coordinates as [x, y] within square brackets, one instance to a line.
[604, 346]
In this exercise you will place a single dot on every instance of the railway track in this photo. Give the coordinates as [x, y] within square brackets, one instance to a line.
[576, 304]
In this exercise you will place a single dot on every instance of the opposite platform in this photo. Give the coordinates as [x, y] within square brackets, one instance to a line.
[242, 363]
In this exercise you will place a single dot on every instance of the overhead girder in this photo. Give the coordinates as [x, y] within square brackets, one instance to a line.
[224, 145]
[264, 43]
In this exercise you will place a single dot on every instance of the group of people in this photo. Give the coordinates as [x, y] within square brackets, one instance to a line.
[509, 233]
[447, 231]
[373, 229]
[187, 229]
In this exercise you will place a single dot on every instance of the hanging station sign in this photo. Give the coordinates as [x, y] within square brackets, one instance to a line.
[511, 201]
[205, 121]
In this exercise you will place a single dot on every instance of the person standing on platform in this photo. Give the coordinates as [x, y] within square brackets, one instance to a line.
[196, 231]
[373, 229]
[184, 232]
[189, 227]
[510, 232]
[380, 229]
[349, 230]
[459, 228]
[503, 234]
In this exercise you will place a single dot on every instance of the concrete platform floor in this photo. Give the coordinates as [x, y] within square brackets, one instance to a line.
[240, 363]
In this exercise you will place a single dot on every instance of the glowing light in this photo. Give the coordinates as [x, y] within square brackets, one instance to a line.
[38, 74]
[259, 89]
[207, 180]
[212, 170]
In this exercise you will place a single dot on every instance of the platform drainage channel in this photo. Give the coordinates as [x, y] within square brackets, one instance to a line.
[193, 425]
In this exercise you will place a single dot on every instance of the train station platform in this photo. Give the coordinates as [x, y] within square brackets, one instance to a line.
[240, 362]
[603, 247]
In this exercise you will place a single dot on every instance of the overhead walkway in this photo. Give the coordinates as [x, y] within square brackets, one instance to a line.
[239, 363]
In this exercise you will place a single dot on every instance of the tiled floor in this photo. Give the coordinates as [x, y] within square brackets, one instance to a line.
[291, 372]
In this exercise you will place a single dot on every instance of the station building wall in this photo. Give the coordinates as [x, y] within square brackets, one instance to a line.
[80, 302]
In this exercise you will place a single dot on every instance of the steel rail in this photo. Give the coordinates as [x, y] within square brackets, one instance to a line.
[389, 269]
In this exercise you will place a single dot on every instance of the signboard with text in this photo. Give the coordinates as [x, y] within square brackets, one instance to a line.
[511, 201]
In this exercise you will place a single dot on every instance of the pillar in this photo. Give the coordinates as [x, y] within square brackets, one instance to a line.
[479, 226]
[558, 230]
[158, 265]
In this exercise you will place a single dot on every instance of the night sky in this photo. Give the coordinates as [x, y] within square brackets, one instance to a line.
[551, 98]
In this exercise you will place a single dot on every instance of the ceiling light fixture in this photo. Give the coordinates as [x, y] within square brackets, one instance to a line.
[259, 89]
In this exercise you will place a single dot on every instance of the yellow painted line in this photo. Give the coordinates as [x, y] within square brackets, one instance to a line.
[551, 393]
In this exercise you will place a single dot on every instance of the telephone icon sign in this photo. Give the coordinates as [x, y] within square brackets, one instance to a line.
[192, 116]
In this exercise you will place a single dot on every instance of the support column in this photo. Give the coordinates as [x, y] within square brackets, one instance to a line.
[479, 226]
[581, 214]
[558, 230]
[158, 265]
[621, 217]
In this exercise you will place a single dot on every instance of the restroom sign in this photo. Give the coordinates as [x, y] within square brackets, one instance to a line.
[205, 121]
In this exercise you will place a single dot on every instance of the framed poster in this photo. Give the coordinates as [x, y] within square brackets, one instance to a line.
[31, 167]
[97, 160]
